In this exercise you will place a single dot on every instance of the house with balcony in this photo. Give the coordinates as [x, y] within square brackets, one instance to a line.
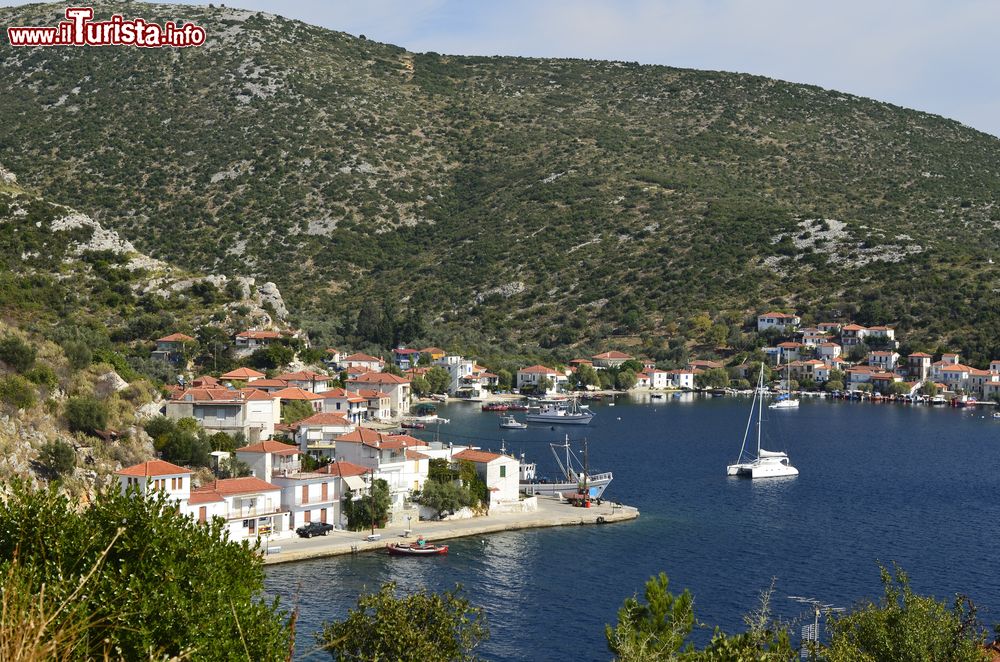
[882, 336]
[398, 389]
[784, 322]
[883, 360]
[251, 507]
[404, 358]
[658, 379]
[852, 334]
[529, 379]
[269, 458]
[612, 359]
[397, 459]
[918, 365]
[248, 342]
[459, 369]
[379, 404]
[682, 378]
[310, 496]
[157, 476]
[345, 403]
[790, 351]
[307, 380]
[316, 434]
[249, 411]
[170, 349]
[825, 351]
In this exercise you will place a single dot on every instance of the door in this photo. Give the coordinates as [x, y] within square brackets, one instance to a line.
[203, 514]
[307, 516]
[322, 515]
[323, 496]
[305, 494]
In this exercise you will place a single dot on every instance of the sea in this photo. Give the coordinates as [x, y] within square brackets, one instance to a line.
[912, 485]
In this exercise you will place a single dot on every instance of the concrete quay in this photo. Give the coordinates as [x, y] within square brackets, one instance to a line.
[551, 512]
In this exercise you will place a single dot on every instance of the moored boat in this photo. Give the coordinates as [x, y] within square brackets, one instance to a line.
[574, 476]
[765, 464]
[562, 414]
[419, 548]
[511, 423]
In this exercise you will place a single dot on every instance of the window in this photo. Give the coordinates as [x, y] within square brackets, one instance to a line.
[503, 471]
[307, 516]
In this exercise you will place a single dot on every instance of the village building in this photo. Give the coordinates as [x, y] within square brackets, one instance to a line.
[703, 364]
[247, 375]
[827, 350]
[612, 359]
[397, 459]
[883, 359]
[433, 353]
[365, 362]
[157, 476]
[458, 369]
[882, 336]
[499, 473]
[682, 379]
[379, 404]
[918, 365]
[529, 378]
[782, 321]
[790, 351]
[398, 389]
[316, 435]
[294, 393]
[248, 342]
[404, 358]
[251, 507]
[307, 380]
[852, 334]
[269, 458]
[658, 379]
[345, 403]
[170, 349]
[250, 412]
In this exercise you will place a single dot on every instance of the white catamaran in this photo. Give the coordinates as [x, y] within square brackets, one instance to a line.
[765, 464]
[574, 476]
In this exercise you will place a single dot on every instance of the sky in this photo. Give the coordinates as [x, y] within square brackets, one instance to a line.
[940, 56]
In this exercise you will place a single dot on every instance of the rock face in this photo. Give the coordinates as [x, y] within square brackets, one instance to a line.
[269, 294]
[7, 177]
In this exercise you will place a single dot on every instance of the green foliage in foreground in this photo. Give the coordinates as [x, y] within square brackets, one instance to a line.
[902, 627]
[162, 586]
[418, 628]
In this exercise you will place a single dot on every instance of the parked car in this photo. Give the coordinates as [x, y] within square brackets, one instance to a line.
[314, 529]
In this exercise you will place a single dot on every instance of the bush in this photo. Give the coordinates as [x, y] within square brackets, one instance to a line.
[445, 497]
[163, 586]
[17, 392]
[43, 375]
[180, 442]
[16, 353]
[77, 353]
[58, 457]
[86, 415]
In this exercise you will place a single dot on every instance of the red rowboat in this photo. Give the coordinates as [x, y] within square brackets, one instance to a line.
[419, 548]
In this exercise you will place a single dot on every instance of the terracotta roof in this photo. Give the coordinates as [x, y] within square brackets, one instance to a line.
[582, 361]
[176, 337]
[253, 393]
[375, 439]
[432, 350]
[205, 380]
[204, 495]
[476, 456]
[303, 376]
[538, 369]
[404, 351]
[208, 395]
[270, 446]
[414, 455]
[234, 486]
[270, 383]
[295, 393]
[243, 374]
[343, 468]
[153, 468]
[853, 327]
[325, 418]
[613, 354]
[363, 358]
[921, 355]
[956, 368]
[789, 345]
[379, 378]
[259, 335]
[778, 315]
[341, 394]
[370, 393]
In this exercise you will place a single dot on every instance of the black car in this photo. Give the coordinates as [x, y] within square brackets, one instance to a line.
[314, 529]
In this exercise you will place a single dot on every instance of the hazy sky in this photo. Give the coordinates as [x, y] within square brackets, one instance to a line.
[941, 56]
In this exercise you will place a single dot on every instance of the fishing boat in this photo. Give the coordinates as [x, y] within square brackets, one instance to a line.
[419, 548]
[413, 425]
[495, 406]
[574, 475]
[561, 413]
[765, 464]
[511, 423]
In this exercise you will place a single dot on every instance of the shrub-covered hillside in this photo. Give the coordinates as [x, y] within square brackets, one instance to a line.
[509, 199]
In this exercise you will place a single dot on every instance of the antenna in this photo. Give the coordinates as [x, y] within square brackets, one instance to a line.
[810, 631]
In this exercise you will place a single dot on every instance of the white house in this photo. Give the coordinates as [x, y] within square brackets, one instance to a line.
[171, 348]
[918, 365]
[852, 334]
[642, 380]
[682, 378]
[366, 362]
[394, 458]
[398, 388]
[346, 403]
[247, 342]
[530, 377]
[307, 380]
[882, 335]
[309, 496]
[611, 359]
[249, 411]
[825, 351]
[379, 404]
[317, 433]
[269, 458]
[658, 378]
[780, 321]
[499, 472]
[884, 360]
[157, 476]
[251, 507]
[458, 368]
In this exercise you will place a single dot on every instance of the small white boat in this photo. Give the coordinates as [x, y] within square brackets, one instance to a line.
[784, 402]
[765, 464]
[511, 423]
[560, 413]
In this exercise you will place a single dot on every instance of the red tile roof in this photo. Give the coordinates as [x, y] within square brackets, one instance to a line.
[203, 495]
[613, 354]
[325, 418]
[341, 394]
[295, 393]
[365, 358]
[343, 468]
[303, 376]
[153, 468]
[176, 337]
[259, 335]
[476, 456]
[778, 315]
[270, 383]
[234, 486]
[379, 378]
[243, 374]
[921, 355]
[270, 446]
[208, 395]
[538, 369]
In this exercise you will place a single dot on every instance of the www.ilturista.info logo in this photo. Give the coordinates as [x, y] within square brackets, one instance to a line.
[80, 30]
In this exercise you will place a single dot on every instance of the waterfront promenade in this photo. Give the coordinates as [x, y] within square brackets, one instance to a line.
[550, 513]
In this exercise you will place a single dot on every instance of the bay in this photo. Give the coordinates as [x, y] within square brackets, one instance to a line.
[879, 483]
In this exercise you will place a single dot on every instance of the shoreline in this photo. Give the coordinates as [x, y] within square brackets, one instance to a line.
[550, 513]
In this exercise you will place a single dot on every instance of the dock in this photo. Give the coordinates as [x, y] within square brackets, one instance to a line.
[551, 512]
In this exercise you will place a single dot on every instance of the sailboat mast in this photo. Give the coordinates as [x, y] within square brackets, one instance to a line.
[760, 409]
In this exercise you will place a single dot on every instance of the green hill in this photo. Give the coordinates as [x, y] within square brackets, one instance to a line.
[509, 200]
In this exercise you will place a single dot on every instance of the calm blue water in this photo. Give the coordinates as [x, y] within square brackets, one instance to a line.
[914, 485]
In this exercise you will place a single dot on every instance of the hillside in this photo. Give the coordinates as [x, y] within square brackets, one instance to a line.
[509, 200]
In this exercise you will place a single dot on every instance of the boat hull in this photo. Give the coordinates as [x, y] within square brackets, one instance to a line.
[414, 550]
[596, 486]
[568, 419]
[784, 404]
